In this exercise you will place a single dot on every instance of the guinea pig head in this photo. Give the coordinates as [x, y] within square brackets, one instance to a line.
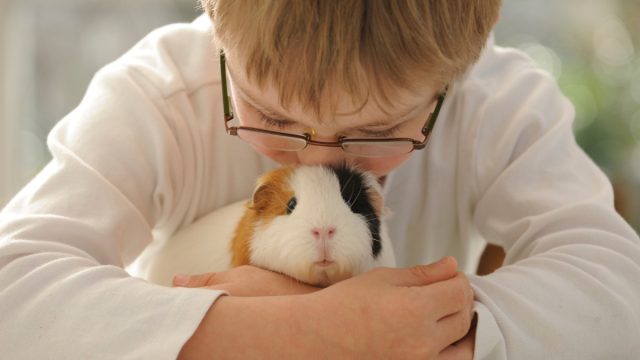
[317, 224]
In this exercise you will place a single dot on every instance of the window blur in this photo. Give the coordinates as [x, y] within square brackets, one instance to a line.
[49, 51]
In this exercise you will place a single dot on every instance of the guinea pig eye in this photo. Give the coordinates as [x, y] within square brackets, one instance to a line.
[291, 205]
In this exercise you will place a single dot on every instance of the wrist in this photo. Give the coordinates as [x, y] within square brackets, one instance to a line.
[249, 327]
[325, 330]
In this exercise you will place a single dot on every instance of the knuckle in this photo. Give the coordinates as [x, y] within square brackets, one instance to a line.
[460, 296]
[470, 294]
[462, 291]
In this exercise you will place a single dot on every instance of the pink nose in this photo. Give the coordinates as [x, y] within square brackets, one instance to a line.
[323, 233]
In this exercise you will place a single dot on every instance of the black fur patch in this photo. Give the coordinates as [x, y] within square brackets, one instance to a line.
[354, 192]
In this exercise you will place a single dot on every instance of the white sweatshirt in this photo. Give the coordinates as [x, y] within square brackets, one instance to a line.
[145, 154]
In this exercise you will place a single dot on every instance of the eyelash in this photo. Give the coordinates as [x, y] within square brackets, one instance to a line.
[384, 133]
[271, 122]
[284, 124]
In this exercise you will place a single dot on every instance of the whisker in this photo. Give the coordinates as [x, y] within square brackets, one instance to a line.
[344, 187]
[355, 198]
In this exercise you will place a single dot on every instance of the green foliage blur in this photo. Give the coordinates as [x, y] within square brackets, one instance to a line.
[591, 48]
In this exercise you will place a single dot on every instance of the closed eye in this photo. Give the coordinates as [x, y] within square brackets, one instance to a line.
[275, 123]
[283, 124]
[381, 133]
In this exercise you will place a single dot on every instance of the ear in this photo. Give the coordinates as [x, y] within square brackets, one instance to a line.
[272, 193]
[262, 196]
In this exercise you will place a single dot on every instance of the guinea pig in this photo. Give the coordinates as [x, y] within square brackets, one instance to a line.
[318, 224]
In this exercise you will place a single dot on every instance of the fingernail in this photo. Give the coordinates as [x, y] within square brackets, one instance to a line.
[446, 260]
[181, 280]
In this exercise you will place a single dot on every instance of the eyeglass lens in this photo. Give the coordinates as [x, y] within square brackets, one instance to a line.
[360, 148]
[272, 141]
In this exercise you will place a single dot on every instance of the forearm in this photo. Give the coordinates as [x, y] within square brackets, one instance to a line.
[49, 297]
[250, 328]
[384, 313]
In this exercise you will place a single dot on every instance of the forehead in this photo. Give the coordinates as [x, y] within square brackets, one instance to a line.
[338, 107]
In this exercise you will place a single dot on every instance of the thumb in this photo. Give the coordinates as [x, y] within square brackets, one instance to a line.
[446, 268]
[194, 281]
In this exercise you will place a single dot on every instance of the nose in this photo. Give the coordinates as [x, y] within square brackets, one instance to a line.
[321, 155]
[323, 233]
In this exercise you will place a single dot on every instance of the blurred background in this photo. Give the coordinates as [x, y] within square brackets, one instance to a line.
[49, 50]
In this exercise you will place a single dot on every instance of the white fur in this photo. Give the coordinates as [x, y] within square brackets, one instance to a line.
[287, 245]
[198, 248]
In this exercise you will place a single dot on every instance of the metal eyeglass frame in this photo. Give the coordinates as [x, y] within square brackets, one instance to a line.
[233, 130]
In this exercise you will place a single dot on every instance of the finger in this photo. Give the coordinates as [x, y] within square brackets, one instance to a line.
[456, 330]
[452, 329]
[449, 296]
[462, 349]
[194, 281]
[427, 274]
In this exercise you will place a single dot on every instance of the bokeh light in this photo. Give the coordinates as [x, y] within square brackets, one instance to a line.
[544, 56]
[612, 42]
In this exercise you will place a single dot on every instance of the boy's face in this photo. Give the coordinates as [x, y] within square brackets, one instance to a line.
[260, 108]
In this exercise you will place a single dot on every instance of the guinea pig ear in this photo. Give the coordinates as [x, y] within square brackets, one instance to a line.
[272, 192]
[262, 196]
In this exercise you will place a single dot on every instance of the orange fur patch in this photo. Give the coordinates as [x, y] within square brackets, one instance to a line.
[270, 199]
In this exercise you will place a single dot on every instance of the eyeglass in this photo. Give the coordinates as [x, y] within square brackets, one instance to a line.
[362, 147]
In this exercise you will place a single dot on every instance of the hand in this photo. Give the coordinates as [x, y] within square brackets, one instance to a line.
[464, 348]
[246, 280]
[415, 313]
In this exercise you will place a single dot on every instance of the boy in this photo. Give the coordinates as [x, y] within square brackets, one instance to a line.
[146, 153]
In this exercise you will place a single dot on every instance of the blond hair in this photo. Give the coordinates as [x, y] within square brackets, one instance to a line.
[366, 47]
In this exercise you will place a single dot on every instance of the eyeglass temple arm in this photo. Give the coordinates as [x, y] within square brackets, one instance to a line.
[434, 115]
[225, 93]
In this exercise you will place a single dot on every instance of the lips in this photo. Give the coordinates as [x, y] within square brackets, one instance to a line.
[324, 263]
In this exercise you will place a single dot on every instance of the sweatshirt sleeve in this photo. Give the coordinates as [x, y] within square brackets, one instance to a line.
[116, 175]
[569, 287]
